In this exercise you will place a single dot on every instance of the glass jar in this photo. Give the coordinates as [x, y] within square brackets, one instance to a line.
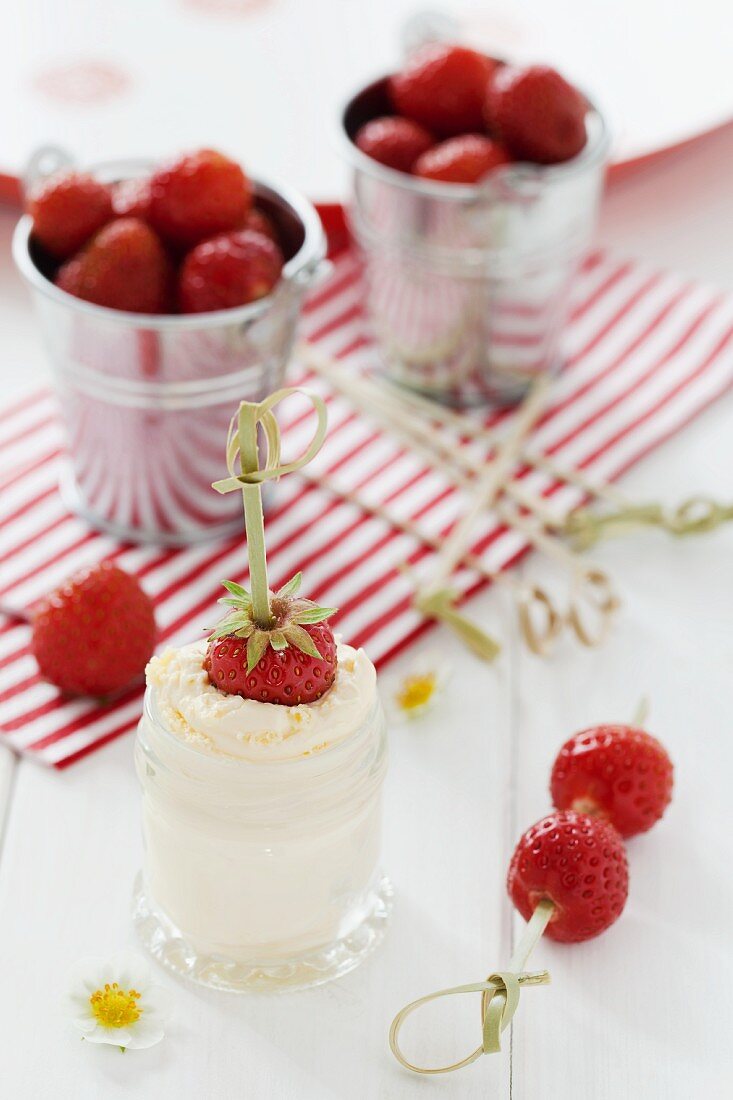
[261, 875]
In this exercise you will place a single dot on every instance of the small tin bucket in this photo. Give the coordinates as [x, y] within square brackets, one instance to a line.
[146, 400]
[467, 286]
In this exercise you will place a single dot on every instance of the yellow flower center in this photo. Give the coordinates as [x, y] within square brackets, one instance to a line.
[416, 691]
[113, 1007]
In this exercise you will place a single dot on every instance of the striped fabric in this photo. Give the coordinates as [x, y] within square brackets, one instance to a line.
[646, 352]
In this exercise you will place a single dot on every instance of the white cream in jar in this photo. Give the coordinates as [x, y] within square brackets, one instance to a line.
[262, 825]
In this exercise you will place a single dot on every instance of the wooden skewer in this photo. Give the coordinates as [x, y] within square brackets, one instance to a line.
[590, 583]
[488, 486]
[387, 396]
[485, 484]
[409, 527]
[540, 622]
[468, 428]
[440, 452]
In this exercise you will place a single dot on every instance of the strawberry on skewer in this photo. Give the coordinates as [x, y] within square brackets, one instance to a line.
[568, 876]
[576, 862]
[291, 661]
[616, 772]
[270, 647]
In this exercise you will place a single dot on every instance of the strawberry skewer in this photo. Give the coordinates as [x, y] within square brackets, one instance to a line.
[272, 647]
[568, 877]
[616, 772]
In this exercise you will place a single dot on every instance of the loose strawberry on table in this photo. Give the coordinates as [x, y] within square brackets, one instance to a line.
[123, 267]
[536, 113]
[230, 270]
[395, 142]
[67, 209]
[616, 772]
[465, 159]
[443, 88]
[197, 196]
[95, 634]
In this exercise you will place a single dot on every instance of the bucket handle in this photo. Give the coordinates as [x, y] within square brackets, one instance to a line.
[44, 162]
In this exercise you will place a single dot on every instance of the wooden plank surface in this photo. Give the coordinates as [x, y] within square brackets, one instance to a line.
[641, 1014]
[639, 1011]
[65, 880]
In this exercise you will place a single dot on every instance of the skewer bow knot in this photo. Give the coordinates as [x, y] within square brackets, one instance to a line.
[499, 1001]
[243, 453]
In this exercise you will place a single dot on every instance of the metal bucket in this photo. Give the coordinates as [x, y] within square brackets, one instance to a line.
[146, 400]
[467, 286]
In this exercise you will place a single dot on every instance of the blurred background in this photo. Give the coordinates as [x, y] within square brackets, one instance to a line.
[264, 79]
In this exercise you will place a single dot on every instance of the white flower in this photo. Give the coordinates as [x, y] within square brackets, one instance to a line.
[115, 1001]
[415, 691]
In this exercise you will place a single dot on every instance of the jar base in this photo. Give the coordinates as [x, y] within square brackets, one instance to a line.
[165, 943]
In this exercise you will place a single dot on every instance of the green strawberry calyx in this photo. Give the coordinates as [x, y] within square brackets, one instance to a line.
[290, 615]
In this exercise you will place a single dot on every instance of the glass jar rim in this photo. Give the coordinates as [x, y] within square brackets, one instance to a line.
[229, 764]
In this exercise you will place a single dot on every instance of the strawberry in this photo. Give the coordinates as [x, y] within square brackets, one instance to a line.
[131, 198]
[579, 863]
[260, 222]
[289, 662]
[124, 267]
[394, 142]
[230, 270]
[619, 773]
[198, 195]
[443, 88]
[464, 159]
[95, 634]
[536, 113]
[67, 208]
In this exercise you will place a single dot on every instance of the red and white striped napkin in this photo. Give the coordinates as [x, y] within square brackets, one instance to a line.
[646, 352]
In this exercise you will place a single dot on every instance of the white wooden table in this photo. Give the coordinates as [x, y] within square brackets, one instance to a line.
[642, 1012]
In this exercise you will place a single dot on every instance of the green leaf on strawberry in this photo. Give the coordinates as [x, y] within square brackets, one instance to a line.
[297, 625]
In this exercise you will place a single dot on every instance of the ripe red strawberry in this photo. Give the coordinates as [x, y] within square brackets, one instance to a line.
[464, 159]
[394, 142]
[198, 195]
[259, 222]
[131, 198]
[230, 270]
[67, 209]
[443, 88]
[95, 634]
[619, 773]
[124, 267]
[579, 863]
[292, 661]
[536, 113]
